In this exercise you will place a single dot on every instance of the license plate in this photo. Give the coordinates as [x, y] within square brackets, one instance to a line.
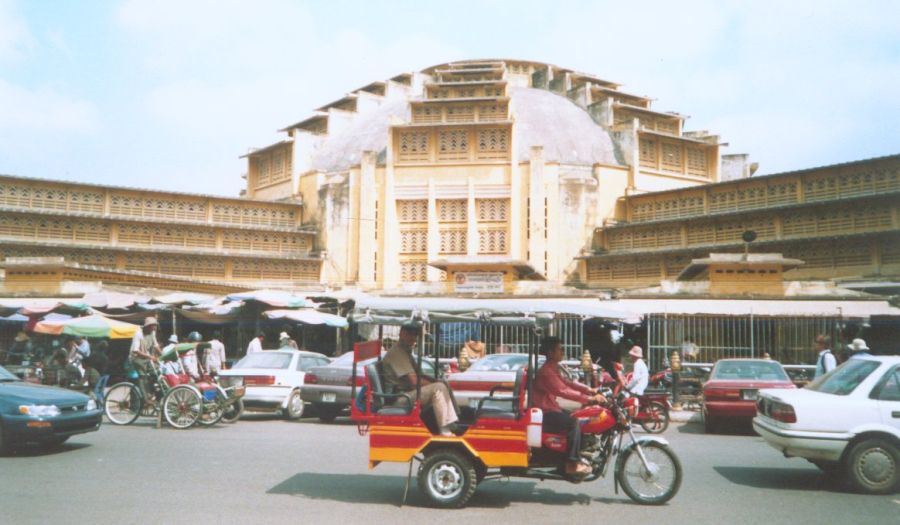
[748, 395]
[328, 397]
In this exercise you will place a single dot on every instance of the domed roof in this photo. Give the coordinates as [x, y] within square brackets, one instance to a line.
[568, 134]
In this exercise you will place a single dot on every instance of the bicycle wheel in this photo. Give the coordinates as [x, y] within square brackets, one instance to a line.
[123, 404]
[182, 406]
[213, 411]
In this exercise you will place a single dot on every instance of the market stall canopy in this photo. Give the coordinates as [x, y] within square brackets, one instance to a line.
[308, 317]
[113, 300]
[276, 298]
[14, 318]
[180, 298]
[89, 326]
[386, 310]
[31, 307]
[761, 308]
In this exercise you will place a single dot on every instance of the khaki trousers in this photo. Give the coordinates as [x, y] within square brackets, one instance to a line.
[437, 396]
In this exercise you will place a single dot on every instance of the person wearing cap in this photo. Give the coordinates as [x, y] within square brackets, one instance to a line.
[256, 343]
[286, 342]
[400, 376]
[551, 383]
[858, 349]
[640, 375]
[143, 352]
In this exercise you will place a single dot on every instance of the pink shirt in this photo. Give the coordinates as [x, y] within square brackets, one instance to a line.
[551, 383]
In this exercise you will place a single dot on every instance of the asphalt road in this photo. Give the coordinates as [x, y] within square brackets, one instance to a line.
[264, 469]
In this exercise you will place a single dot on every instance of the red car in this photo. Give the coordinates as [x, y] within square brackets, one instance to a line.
[730, 392]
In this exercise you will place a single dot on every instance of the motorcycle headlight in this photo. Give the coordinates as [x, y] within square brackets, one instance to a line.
[39, 410]
[91, 405]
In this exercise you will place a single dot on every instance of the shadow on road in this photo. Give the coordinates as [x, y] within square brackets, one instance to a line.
[34, 451]
[778, 478]
[388, 490]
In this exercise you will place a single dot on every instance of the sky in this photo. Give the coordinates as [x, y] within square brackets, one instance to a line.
[168, 94]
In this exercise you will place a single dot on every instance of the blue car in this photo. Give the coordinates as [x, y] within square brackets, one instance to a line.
[43, 415]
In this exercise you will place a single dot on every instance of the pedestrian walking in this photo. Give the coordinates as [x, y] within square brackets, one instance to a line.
[825, 360]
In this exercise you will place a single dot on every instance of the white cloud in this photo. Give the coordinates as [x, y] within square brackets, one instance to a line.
[15, 37]
[44, 110]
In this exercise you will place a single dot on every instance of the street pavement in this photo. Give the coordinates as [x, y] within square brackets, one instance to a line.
[263, 469]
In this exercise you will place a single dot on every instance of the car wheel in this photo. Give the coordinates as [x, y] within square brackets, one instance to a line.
[447, 478]
[295, 406]
[327, 413]
[873, 466]
[709, 424]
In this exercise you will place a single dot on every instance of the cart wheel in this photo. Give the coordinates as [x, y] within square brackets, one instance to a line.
[295, 406]
[233, 411]
[657, 420]
[213, 411]
[447, 478]
[182, 406]
[122, 404]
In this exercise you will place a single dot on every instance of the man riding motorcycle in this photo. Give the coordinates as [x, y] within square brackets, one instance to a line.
[551, 383]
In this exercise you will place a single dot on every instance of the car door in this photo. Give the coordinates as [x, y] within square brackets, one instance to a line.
[887, 394]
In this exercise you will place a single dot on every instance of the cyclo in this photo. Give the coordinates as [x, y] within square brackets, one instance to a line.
[502, 436]
[184, 402]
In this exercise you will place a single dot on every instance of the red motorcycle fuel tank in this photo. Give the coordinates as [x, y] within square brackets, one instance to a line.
[599, 419]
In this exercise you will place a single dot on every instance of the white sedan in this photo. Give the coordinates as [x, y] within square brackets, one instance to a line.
[274, 379]
[846, 422]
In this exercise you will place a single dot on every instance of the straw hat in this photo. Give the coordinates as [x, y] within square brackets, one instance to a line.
[283, 335]
[858, 345]
[636, 351]
[21, 337]
[150, 321]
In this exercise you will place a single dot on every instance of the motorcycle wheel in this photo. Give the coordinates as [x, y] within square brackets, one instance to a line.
[233, 411]
[122, 404]
[657, 419]
[653, 487]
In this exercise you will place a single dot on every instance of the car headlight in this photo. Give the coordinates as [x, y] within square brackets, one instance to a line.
[39, 410]
[91, 405]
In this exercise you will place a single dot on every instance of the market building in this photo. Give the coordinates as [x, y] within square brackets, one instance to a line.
[148, 239]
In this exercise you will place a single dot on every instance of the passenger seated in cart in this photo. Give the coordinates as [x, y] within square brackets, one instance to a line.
[550, 383]
[400, 376]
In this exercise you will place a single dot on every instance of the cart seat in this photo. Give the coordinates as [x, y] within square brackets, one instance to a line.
[379, 396]
[174, 380]
[502, 407]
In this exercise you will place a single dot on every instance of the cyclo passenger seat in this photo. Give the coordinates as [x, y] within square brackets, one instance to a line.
[487, 406]
[380, 398]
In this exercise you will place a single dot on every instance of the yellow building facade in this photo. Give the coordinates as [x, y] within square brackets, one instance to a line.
[498, 161]
[842, 221]
[148, 238]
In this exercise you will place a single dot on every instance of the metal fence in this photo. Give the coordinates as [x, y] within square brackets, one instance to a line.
[445, 339]
[786, 339]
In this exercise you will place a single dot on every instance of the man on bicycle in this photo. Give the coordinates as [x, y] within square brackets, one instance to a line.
[144, 351]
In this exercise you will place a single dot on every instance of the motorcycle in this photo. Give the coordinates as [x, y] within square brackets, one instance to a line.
[646, 468]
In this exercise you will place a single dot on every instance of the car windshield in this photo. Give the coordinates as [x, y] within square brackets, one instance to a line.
[265, 360]
[845, 378]
[502, 362]
[753, 370]
[6, 375]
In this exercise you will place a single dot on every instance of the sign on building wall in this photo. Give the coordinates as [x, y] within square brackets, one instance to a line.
[478, 282]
